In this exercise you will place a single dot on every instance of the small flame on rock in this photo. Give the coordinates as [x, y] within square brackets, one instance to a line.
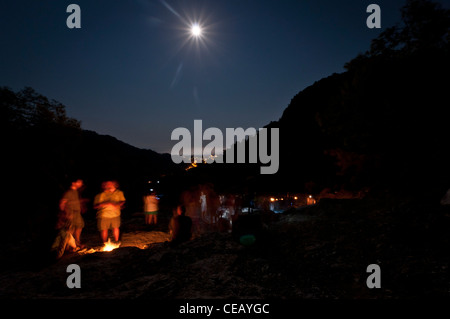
[109, 246]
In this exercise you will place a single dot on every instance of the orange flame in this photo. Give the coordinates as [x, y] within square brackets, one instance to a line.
[109, 246]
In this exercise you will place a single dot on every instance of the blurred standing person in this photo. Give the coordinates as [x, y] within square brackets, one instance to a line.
[180, 227]
[109, 204]
[71, 208]
[151, 208]
[231, 205]
[203, 209]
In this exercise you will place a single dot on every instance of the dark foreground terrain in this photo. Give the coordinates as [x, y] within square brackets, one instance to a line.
[315, 252]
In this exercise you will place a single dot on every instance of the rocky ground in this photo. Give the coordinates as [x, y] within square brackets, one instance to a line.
[316, 252]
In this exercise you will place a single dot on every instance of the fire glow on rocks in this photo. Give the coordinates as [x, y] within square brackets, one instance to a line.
[138, 239]
[109, 246]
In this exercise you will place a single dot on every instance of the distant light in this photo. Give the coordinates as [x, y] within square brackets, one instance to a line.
[295, 197]
[272, 199]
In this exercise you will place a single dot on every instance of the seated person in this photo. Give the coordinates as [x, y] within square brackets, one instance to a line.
[180, 227]
[63, 241]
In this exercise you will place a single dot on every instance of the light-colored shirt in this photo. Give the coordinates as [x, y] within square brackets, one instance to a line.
[150, 203]
[115, 197]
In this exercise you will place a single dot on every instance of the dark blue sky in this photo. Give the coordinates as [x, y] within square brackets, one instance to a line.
[132, 71]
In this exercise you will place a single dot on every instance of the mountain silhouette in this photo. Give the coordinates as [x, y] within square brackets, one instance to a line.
[380, 125]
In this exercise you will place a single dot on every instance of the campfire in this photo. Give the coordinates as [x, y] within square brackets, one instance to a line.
[109, 246]
[138, 239]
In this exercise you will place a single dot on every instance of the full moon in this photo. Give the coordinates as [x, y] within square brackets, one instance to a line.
[196, 30]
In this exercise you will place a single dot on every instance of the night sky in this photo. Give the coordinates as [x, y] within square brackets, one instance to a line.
[134, 71]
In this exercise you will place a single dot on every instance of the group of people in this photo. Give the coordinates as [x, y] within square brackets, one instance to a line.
[70, 220]
[108, 204]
